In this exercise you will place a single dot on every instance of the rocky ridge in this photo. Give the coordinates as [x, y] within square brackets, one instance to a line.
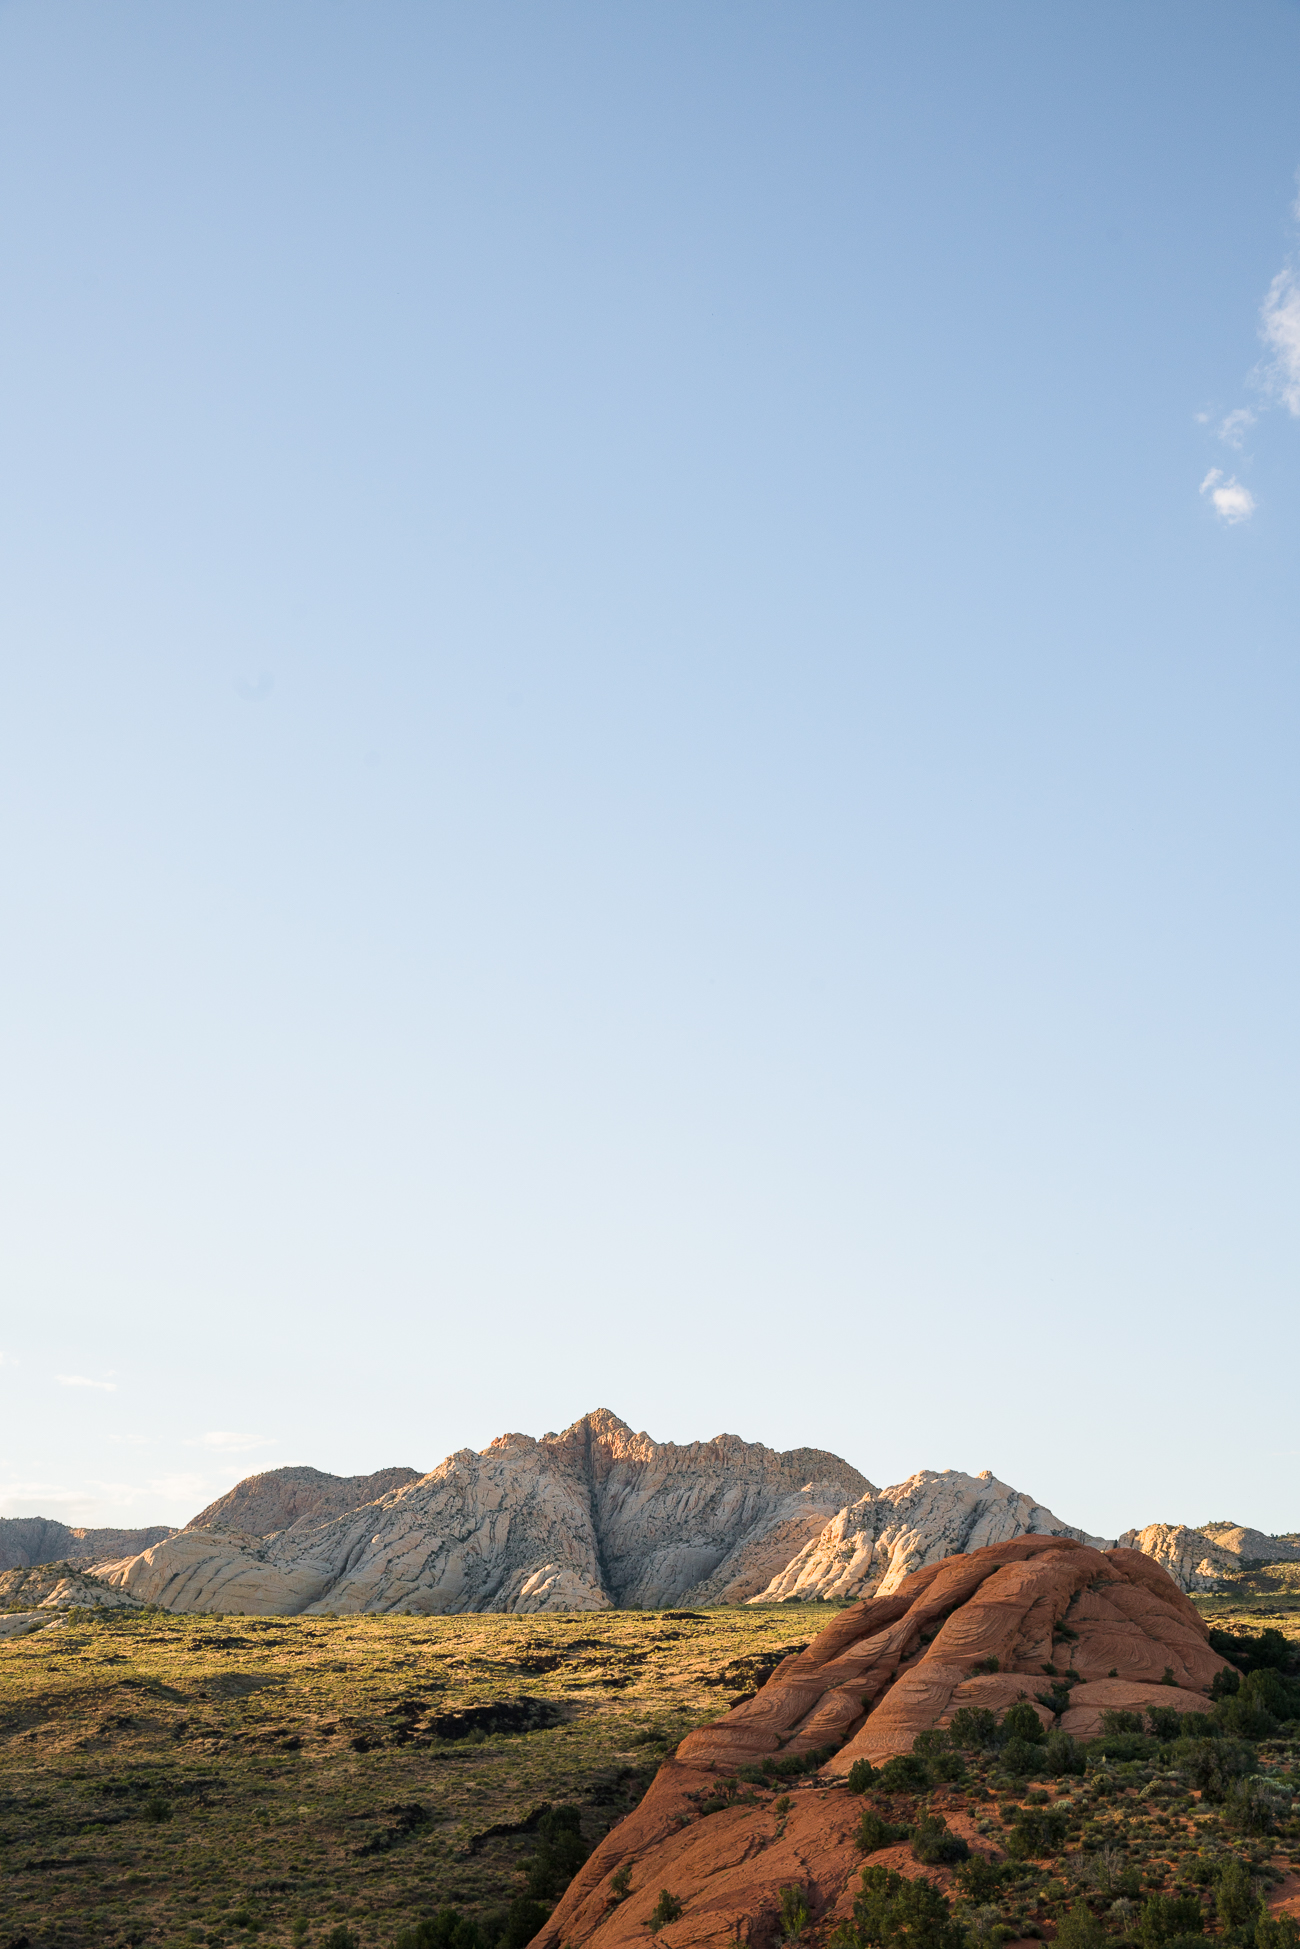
[868, 1548]
[1197, 1559]
[881, 1673]
[27, 1540]
[262, 1505]
[584, 1520]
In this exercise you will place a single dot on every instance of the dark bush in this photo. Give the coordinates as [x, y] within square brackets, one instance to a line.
[1165, 1722]
[979, 1879]
[861, 1775]
[935, 1845]
[1061, 1754]
[1036, 1831]
[340, 1937]
[448, 1929]
[1250, 1650]
[1020, 1721]
[520, 1924]
[973, 1728]
[893, 1910]
[1080, 1929]
[905, 1773]
[1249, 1809]
[1276, 1931]
[1122, 1722]
[1213, 1764]
[875, 1832]
[666, 1909]
[1235, 1900]
[560, 1853]
[1166, 1917]
[1023, 1757]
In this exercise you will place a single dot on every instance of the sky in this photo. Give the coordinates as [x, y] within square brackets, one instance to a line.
[651, 688]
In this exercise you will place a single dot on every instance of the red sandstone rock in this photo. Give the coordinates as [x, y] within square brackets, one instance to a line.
[880, 1673]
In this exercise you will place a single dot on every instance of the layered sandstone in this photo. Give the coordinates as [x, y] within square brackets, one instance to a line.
[868, 1548]
[883, 1671]
[262, 1505]
[1196, 1559]
[594, 1517]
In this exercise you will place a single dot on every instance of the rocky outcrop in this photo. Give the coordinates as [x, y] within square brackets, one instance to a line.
[25, 1540]
[1191, 1558]
[868, 1548]
[58, 1586]
[1251, 1547]
[883, 1671]
[593, 1517]
[262, 1505]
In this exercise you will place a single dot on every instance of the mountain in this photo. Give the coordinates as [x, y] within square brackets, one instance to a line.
[979, 1630]
[592, 1518]
[262, 1505]
[868, 1548]
[1196, 1559]
[28, 1540]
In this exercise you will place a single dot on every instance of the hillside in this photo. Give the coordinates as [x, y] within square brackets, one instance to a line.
[29, 1540]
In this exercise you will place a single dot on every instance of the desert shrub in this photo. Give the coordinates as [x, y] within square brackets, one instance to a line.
[341, 1937]
[795, 1913]
[666, 1909]
[560, 1853]
[1080, 1929]
[448, 1929]
[861, 1775]
[620, 1883]
[1061, 1754]
[1122, 1746]
[1165, 1722]
[1225, 1683]
[874, 1832]
[978, 1879]
[985, 1665]
[1250, 1650]
[1036, 1831]
[1276, 1931]
[905, 1773]
[1166, 1917]
[973, 1728]
[156, 1808]
[1212, 1764]
[935, 1845]
[1020, 1721]
[1023, 1757]
[891, 1910]
[1122, 1722]
[1249, 1808]
[1235, 1900]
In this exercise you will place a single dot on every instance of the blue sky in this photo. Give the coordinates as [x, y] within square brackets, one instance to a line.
[649, 752]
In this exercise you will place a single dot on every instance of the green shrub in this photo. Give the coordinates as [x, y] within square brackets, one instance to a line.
[973, 1728]
[1235, 1900]
[795, 1913]
[905, 1773]
[1036, 1831]
[448, 1929]
[1165, 1722]
[935, 1845]
[891, 1910]
[620, 1883]
[875, 1832]
[1276, 1931]
[978, 1879]
[1020, 1721]
[1251, 1651]
[666, 1909]
[156, 1808]
[1122, 1722]
[1080, 1929]
[1023, 1757]
[341, 1937]
[1062, 1754]
[1166, 1917]
[1212, 1764]
[861, 1775]
[560, 1853]
[1248, 1808]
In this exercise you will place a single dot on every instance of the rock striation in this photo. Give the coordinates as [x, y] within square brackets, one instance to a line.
[883, 1671]
[594, 1517]
[868, 1548]
[262, 1505]
[1197, 1559]
[27, 1540]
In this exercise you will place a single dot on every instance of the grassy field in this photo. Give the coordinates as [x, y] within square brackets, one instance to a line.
[203, 1779]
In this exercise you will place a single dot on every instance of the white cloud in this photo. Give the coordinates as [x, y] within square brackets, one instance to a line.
[231, 1444]
[1280, 330]
[1232, 501]
[79, 1380]
[1233, 429]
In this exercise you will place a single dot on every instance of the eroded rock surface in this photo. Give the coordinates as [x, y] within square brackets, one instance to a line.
[582, 1520]
[27, 1540]
[883, 1671]
[1196, 1559]
[261, 1505]
[868, 1548]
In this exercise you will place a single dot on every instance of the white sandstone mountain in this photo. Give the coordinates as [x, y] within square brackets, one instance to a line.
[1196, 1559]
[592, 1518]
[867, 1549]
